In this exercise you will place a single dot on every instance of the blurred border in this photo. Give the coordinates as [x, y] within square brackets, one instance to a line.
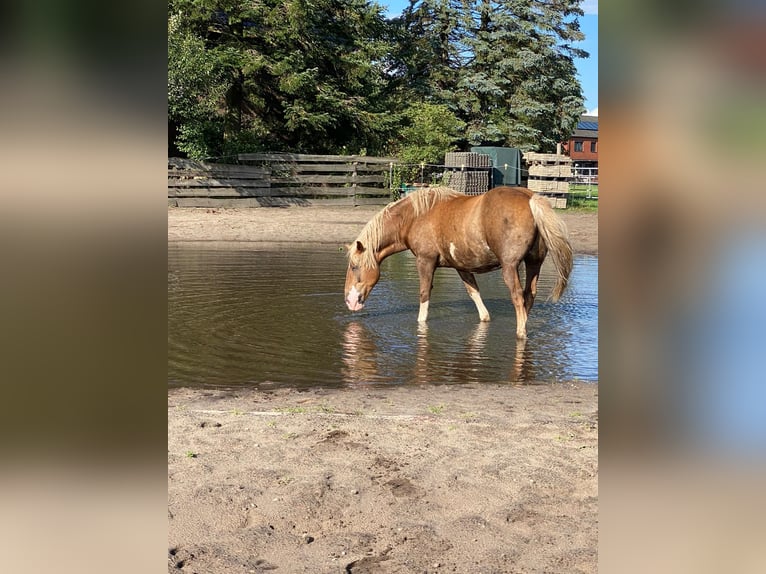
[683, 247]
[83, 145]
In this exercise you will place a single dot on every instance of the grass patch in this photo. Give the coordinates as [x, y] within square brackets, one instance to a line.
[583, 199]
[436, 409]
[292, 410]
[327, 409]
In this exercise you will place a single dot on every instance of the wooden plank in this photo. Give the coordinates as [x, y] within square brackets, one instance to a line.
[320, 179]
[304, 190]
[182, 163]
[300, 157]
[541, 184]
[362, 190]
[191, 168]
[561, 170]
[215, 182]
[330, 168]
[313, 167]
[311, 191]
[243, 174]
[219, 192]
[330, 191]
[532, 157]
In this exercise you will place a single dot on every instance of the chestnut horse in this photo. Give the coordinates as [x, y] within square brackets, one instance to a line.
[472, 234]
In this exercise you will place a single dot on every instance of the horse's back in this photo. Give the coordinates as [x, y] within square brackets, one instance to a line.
[509, 206]
[514, 195]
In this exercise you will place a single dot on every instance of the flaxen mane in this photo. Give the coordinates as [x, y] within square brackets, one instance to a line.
[422, 200]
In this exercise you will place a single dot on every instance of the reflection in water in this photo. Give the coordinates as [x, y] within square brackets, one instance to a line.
[367, 363]
[240, 318]
[359, 355]
[421, 359]
[478, 338]
[517, 374]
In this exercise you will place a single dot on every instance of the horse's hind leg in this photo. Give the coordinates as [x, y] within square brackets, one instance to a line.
[530, 288]
[469, 280]
[512, 280]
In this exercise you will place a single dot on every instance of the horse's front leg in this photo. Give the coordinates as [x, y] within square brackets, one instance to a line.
[426, 269]
[472, 287]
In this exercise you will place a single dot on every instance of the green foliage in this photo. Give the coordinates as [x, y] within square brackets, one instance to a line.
[505, 68]
[280, 74]
[334, 76]
[196, 87]
[429, 131]
[200, 137]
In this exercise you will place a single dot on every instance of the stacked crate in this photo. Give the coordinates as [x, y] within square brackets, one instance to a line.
[467, 172]
[549, 175]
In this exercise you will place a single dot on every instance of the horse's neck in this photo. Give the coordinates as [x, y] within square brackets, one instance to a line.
[395, 229]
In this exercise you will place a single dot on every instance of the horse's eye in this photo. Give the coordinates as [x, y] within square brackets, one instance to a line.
[355, 268]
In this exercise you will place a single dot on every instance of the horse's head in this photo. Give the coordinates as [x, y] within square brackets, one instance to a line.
[362, 275]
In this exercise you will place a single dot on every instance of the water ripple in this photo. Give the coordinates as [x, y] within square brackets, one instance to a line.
[277, 318]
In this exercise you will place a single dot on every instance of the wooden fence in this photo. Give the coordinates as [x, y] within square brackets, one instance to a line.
[276, 179]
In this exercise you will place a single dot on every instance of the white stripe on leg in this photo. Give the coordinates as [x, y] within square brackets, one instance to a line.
[423, 314]
[483, 313]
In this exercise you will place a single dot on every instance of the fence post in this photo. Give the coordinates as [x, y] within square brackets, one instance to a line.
[353, 183]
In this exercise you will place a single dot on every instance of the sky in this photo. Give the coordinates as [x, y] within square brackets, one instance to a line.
[587, 69]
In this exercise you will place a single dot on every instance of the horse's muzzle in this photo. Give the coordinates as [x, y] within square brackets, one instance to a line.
[354, 300]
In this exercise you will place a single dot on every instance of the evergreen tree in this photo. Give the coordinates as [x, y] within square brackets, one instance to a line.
[509, 73]
[333, 76]
[298, 75]
[432, 48]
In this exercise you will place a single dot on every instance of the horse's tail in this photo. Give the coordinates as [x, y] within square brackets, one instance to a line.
[554, 233]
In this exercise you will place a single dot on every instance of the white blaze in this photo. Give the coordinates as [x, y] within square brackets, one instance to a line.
[352, 301]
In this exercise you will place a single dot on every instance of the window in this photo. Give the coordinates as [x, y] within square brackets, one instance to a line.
[593, 147]
[578, 146]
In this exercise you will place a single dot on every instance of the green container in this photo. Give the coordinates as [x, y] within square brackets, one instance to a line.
[506, 164]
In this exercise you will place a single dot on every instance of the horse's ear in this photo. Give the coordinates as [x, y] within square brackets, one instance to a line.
[359, 247]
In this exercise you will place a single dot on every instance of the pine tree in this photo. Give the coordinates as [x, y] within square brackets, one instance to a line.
[299, 75]
[509, 72]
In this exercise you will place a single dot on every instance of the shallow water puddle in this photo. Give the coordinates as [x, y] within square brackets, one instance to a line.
[276, 318]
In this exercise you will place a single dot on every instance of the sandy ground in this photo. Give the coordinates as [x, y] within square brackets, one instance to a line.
[317, 225]
[459, 478]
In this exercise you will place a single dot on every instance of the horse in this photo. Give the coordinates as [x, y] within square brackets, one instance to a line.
[499, 229]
